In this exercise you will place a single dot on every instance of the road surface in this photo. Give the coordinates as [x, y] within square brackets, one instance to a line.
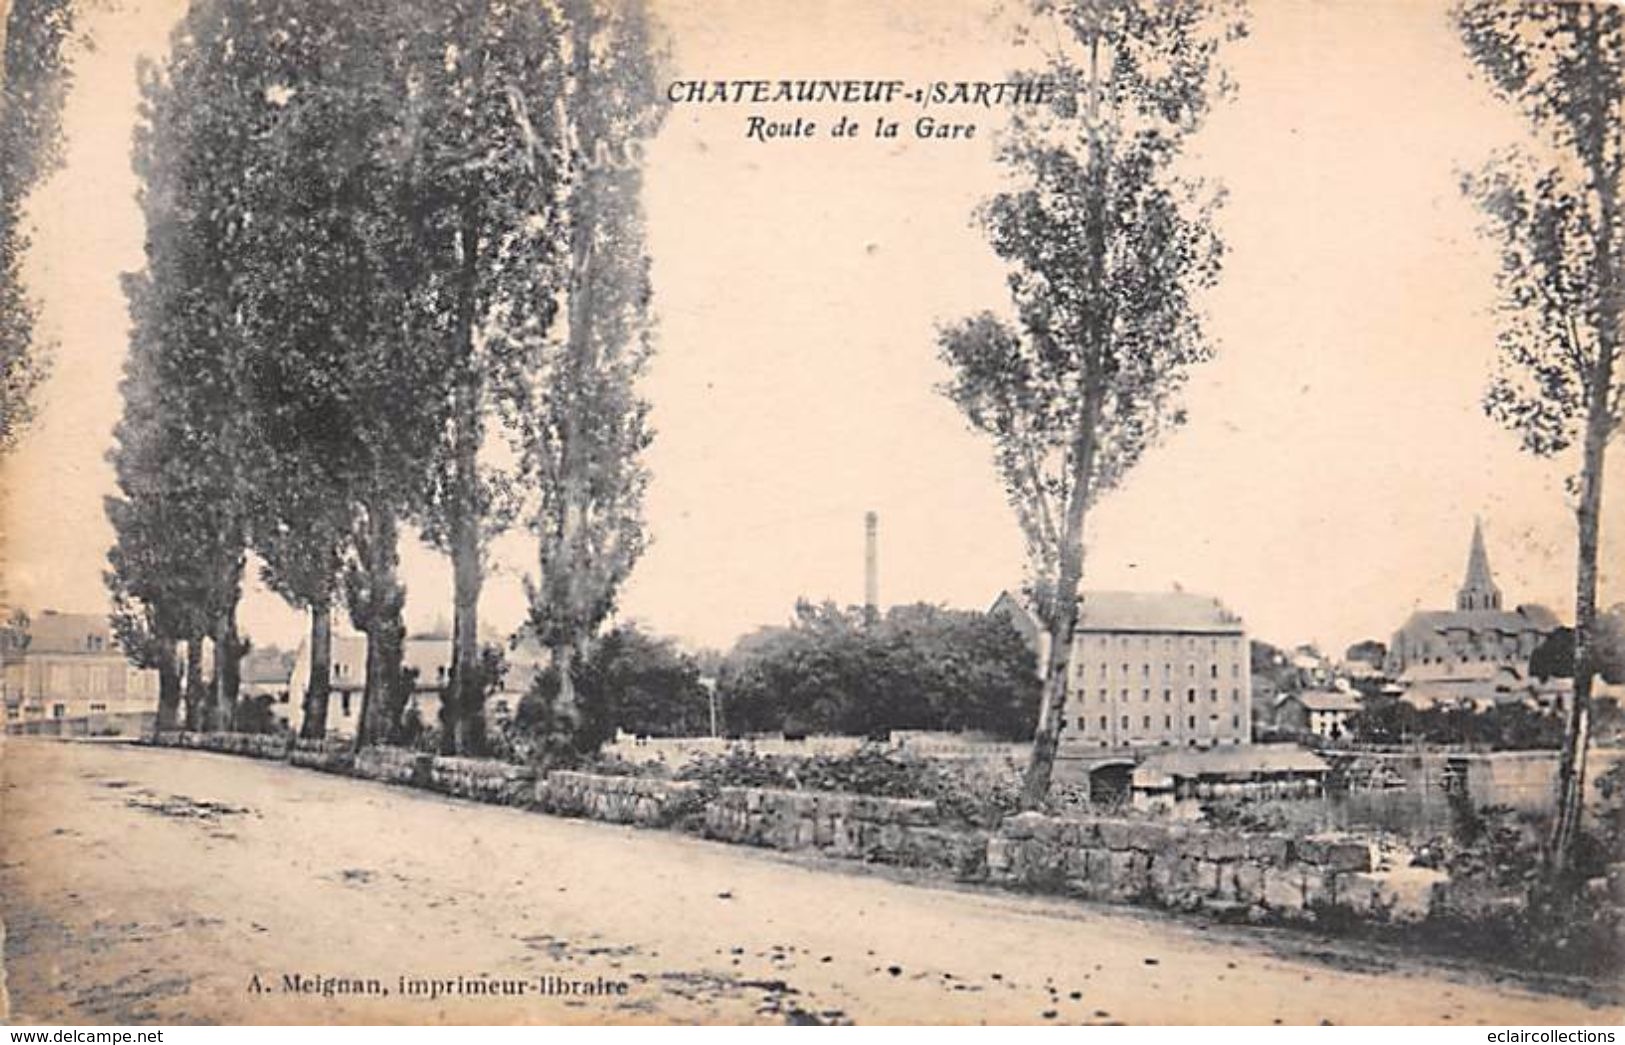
[145, 885]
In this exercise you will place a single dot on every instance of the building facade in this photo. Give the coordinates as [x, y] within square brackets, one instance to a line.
[66, 666]
[428, 657]
[1151, 669]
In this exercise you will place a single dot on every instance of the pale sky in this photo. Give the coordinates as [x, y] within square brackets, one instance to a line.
[1326, 483]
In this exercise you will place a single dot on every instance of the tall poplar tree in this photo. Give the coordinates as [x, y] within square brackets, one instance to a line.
[1554, 212]
[34, 82]
[587, 427]
[487, 164]
[1108, 247]
[180, 454]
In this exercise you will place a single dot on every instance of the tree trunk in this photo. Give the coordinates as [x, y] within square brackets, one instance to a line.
[193, 694]
[1061, 618]
[169, 688]
[382, 699]
[463, 702]
[1571, 770]
[566, 709]
[465, 694]
[227, 673]
[319, 687]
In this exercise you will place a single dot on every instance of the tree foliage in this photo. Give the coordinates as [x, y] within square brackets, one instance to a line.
[917, 667]
[1108, 247]
[35, 82]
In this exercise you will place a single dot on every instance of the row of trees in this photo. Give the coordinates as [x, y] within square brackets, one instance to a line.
[1109, 246]
[379, 234]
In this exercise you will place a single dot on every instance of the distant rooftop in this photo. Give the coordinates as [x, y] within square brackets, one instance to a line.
[1158, 611]
[1177, 611]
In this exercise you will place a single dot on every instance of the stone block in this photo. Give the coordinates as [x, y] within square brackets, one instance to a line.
[1223, 845]
[1116, 834]
[1336, 854]
[1000, 855]
[1247, 881]
[1283, 890]
[1269, 849]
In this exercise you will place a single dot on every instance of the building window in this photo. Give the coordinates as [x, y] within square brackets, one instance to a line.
[1083, 724]
[344, 704]
[1190, 696]
[96, 709]
[1235, 696]
[1125, 721]
[1167, 695]
[1103, 696]
[1235, 721]
[1213, 695]
[1145, 671]
[59, 711]
[1125, 696]
[1235, 671]
[1145, 696]
[1191, 722]
[1167, 722]
[1190, 669]
[1103, 723]
[1145, 723]
[1102, 669]
[1213, 671]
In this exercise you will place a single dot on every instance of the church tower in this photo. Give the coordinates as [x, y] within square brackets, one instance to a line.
[1478, 591]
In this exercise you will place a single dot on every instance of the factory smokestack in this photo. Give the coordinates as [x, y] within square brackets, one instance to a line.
[871, 564]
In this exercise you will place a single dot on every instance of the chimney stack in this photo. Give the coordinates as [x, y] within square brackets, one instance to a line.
[871, 564]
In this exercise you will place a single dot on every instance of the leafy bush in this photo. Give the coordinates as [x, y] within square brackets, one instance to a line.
[972, 793]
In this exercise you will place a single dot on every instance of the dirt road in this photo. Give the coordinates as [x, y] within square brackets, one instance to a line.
[142, 885]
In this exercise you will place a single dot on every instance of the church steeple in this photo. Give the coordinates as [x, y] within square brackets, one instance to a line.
[1478, 591]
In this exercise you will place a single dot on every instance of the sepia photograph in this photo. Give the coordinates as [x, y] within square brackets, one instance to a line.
[813, 513]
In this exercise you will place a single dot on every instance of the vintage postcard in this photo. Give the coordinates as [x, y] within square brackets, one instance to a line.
[731, 512]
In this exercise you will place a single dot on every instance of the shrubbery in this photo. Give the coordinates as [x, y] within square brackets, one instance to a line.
[972, 793]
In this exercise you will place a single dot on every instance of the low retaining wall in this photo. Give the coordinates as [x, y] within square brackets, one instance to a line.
[1171, 865]
[253, 745]
[329, 756]
[483, 780]
[620, 800]
[393, 765]
[850, 827]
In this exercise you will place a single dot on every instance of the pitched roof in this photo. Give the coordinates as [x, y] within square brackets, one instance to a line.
[88, 633]
[1512, 622]
[1176, 611]
[1324, 700]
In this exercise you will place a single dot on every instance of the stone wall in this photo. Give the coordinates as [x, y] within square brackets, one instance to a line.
[329, 756]
[483, 779]
[253, 745]
[393, 765]
[1260, 877]
[850, 827]
[621, 800]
